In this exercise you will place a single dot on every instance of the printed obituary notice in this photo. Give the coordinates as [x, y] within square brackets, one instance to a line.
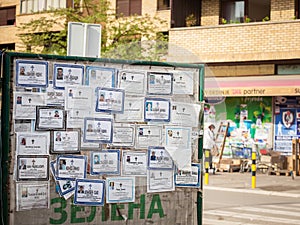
[185, 114]
[133, 110]
[157, 110]
[179, 137]
[25, 104]
[50, 118]
[98, 130]
[159, 158]
[120, 189]
[33, 195]
[65, 141]
[105, 162]
[54, 96]
[89, 192]
[65, 186]
[160, 180]
[67, 74]
[133, 82]
[183, 82]
[32, 167]
[159, 83]
[134, 163]
[32, 73]
[110, 100]
[100, 77]
[70, 167]
[190, 178]
[78, 97]
[123, 135]
[32, 143]
[148, 135]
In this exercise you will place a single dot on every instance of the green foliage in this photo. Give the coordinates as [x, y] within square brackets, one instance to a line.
[224, 21]
[247, 20]
[266, 19]
[190, 20]
[117, 32]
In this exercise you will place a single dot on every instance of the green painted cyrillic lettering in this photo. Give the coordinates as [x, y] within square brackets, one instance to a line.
[114, 209]
[64, 216]
[141, 206]
[152, 210]
[74, 210]
[91, 217]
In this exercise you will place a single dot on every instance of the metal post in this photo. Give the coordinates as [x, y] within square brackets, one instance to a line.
[5, 123]
[200, 146]
[253, 166]
[206, 162]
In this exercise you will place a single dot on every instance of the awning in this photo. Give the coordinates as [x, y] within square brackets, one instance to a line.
[279, 85]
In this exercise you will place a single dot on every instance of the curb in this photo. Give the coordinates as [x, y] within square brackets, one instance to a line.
[250, 191]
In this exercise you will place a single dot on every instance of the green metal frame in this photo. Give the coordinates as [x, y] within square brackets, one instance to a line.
[8, 58]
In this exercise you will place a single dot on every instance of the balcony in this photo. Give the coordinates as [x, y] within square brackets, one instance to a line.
[240, 42]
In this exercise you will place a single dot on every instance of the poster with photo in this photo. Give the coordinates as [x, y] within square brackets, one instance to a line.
[31, 73]
[190, 178]
[71, 167]
[78, 97]
[65, 141]
[89, 192]
[98, 130]
[25, 104]
[157, 110]
[123, 135]
[105, 162]
[103, 77]
[32, 167]
[32, 143]
[50, 118]
[133, 110]
[120, 189]
[134, 163]
[33, 195]
[160, 180]
[133, 82]
[67, 74]
[147, 135]
[159, 158]
[110, 100]
[179, 137]
[159, 83]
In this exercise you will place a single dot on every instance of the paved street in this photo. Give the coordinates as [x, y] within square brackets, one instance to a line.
[229, 199]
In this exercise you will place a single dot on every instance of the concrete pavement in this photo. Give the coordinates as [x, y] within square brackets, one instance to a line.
[265, 184]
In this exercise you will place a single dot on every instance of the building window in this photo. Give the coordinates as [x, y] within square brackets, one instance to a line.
[297, 9]
[7, 46]
[129, 7]
[245, 11]
[163, 4]
[31, 6]
[7, 16]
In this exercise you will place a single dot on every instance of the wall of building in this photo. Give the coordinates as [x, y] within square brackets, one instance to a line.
[240, 42]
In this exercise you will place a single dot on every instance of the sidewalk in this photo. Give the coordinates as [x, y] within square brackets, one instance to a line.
[265, 184]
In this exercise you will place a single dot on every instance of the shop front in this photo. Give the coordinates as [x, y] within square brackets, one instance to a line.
[264, 110]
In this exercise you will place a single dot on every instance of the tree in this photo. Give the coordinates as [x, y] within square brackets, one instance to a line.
[48, 35]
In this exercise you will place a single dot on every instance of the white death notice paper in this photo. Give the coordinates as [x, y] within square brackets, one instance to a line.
[120, 189]
[89, 192]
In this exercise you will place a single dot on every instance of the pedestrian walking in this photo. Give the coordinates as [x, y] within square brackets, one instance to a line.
[209, 144]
